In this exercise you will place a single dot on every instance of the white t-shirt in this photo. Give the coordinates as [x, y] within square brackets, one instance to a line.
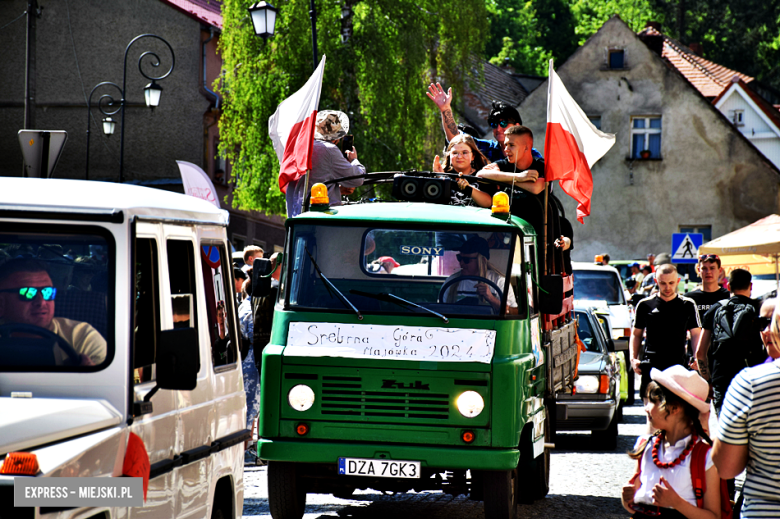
[678, 477]
[468, 287]
[85, 339]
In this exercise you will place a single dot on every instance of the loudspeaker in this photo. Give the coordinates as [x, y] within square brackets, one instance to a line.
[419, 189]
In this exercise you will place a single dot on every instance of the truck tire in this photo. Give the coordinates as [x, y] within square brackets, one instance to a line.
[533, 474]
[631, 381]
[286, 494]
[500, 496]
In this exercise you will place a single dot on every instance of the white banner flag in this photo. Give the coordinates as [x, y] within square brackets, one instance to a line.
[197, 183]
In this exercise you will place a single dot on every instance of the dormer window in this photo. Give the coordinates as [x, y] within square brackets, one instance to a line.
[737, 117]
[616, 59]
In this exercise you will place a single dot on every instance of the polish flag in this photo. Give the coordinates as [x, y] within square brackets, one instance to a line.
[572, 145]
[291, 129]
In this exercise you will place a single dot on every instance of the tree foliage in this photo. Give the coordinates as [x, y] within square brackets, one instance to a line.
[378, 78]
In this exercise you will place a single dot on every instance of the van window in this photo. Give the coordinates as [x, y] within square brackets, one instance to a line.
[146, 315]
[181, 272]
[220, 307]
[56, 298]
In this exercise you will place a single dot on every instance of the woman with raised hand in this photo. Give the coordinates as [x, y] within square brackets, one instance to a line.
[462, 157]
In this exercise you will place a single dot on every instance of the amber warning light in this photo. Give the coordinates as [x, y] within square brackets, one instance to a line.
[20, 464]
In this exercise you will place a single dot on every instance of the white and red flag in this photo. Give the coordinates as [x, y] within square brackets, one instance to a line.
[572, 145]
[291, 129]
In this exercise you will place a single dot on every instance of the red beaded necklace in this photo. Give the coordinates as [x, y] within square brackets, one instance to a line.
[680, 458]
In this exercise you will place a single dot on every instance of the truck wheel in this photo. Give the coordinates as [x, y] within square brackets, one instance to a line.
[630, 374]
[499, 488]
[533, 474]
[607, 439]
[286, 494]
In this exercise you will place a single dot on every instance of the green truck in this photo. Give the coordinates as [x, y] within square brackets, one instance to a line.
[436, 370]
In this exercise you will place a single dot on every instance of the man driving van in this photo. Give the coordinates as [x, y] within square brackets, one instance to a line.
[27, 297]
[473, 259]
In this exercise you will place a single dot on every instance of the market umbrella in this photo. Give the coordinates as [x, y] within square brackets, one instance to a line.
[755, 248]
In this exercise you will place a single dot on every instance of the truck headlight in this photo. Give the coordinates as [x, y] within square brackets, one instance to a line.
[470, 404]
[587, 384]
[301, 397]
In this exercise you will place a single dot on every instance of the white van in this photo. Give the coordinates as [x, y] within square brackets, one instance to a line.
[117, 316]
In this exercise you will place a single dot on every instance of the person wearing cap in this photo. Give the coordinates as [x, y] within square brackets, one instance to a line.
[748, 434]
[473, 259]
[387, 264]
[501, 117]
[663, 485]
[328, 163]
[636, 273]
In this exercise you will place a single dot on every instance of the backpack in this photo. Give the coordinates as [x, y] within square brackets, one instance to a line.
[699, 479]
[736, 339]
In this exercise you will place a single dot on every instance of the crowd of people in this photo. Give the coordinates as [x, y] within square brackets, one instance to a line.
[713, 348]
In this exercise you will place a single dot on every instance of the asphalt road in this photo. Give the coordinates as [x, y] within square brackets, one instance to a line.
[584, 483]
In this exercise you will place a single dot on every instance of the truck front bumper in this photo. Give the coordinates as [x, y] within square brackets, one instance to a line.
[449, 457]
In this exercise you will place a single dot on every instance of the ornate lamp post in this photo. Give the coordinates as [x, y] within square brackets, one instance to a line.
[263, 17]
[152, 93]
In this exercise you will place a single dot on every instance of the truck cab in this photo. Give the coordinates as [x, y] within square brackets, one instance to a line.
[117, 347]
[431, 371]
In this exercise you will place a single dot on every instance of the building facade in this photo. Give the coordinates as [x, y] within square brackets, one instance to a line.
[678, 164]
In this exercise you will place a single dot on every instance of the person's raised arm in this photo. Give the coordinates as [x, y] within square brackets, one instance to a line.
[443, 101]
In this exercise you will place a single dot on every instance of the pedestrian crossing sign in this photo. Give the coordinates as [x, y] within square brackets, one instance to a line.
[685, 247]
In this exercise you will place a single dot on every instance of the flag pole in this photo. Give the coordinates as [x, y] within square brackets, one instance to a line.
[306, 194]
[546, 203]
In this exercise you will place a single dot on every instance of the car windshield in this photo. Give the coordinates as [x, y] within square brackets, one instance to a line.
[594, 285]
[56, 293]
[586, 332]
[385, 270]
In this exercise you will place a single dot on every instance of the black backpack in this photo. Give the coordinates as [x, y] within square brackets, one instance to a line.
[736, 336]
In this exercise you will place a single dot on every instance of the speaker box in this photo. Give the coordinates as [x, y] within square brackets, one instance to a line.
[420, 189]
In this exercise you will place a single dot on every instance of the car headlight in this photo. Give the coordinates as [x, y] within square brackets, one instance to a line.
[587, 384]
[301, 397]
[470, 404]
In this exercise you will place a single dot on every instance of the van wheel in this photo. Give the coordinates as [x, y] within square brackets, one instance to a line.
[500, 496]
[286, 494]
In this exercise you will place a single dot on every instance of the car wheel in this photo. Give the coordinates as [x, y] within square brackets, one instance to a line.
[607, 439]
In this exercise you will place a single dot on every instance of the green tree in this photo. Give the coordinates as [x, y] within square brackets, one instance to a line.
[514, 30]
[378, 78]
[592, 14]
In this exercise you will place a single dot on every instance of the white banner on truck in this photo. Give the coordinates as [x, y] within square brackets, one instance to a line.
[370, 341]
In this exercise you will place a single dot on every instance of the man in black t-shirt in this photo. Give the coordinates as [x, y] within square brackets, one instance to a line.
[665, 318]
[709, 269]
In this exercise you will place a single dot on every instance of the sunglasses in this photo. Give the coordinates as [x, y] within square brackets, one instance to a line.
[763, 322]
[465, 260]
[503, 123]
[708, 257]
[29, 293]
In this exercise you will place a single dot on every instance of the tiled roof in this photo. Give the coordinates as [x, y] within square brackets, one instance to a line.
[493, 84]
[709, 78]
[207, 11]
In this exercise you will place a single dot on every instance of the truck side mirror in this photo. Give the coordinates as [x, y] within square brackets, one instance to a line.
[261, 277]
[610, 345]
[178, 359]
[551, 294]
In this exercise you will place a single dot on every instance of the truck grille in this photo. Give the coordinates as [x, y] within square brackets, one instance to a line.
[346, 396]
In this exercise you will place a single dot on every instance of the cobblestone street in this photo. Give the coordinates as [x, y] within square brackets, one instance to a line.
[584, 484]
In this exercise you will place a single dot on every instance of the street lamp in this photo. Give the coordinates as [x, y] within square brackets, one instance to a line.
[263, 17]
[152, 93]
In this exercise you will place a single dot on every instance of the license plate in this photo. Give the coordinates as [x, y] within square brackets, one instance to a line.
[379, 468]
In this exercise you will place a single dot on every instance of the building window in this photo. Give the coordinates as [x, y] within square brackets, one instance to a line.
[617, 59]
[645, 137]
[737, 117]
[596, 120]
[239, 242]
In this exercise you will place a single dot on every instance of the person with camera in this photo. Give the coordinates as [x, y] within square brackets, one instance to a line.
[664, 319]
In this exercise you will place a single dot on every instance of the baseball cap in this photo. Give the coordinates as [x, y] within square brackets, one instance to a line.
[476, 244]
[391, 260]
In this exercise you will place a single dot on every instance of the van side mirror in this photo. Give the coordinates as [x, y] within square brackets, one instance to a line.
[610, 345]
[261, 277]
[551, 294]
[178, 359]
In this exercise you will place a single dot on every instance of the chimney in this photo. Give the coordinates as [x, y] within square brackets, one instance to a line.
[696, 48]
[654, 25]
[653, 40]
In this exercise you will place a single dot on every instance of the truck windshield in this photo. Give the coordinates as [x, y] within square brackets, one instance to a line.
[56, 290]
[453, 272]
